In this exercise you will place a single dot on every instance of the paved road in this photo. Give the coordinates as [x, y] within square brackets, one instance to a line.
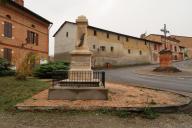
[126, 76]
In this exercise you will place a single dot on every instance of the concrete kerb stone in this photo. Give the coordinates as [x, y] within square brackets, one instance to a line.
[161, 109]
[151, 74]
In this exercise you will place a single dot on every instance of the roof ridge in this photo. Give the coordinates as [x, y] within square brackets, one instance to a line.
[104, 30]
[182, 36]
[29, 11]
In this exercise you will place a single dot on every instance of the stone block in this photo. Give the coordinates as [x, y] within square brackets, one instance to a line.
[78, 93]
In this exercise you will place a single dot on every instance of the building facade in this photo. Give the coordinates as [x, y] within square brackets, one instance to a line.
[21, 32]
[109, 48]
[186, 42]
[170, 43]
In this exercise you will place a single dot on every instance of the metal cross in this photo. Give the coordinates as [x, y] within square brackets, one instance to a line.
[165, 31]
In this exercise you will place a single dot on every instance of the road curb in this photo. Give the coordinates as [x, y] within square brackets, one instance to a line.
[156, 108]
[160, 109]
[147, 74]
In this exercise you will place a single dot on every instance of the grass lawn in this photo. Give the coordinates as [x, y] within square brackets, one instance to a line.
[13, 91]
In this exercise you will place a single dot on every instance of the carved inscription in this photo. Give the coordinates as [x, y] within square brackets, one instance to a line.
[80, 63]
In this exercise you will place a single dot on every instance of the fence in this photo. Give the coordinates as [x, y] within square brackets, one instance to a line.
[79, 78]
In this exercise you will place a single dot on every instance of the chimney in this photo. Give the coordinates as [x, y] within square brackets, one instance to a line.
[20, 2]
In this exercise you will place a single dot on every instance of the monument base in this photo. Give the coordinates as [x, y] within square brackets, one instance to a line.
[59, 93]
[167, 69]
[80, 83]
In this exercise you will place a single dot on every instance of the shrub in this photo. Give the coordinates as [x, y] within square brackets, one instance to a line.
[4, 68]
[47, 70]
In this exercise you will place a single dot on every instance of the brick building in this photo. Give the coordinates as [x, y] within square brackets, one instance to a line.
[22, 31]
[186, 42]
[173, 44]
[108, 47]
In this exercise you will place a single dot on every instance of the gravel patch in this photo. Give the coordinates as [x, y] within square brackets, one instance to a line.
[93, 120]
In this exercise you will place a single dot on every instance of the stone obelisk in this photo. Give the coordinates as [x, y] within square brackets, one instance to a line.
[81, 56]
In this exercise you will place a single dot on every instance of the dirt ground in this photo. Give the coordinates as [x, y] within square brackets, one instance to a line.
[120, 96]
[90, 120]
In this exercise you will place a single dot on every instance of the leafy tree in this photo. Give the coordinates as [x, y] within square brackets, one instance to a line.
[26, 66]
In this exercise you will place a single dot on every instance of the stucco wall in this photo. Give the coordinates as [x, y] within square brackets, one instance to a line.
[118, 56]
[63, 44]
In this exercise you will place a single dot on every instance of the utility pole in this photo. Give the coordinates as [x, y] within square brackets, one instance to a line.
[165, 32]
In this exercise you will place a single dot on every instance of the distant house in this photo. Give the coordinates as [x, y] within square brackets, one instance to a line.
[173, 44]
[108, 47]
[22, 31]
[186, 42]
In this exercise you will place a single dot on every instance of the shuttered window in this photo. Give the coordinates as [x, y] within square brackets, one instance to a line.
[8, 29]
[7, 54]
[32, 38]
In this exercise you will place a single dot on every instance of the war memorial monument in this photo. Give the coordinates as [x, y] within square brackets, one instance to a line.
[81, 82]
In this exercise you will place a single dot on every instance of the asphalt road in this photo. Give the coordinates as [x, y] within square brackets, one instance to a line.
[126, 75]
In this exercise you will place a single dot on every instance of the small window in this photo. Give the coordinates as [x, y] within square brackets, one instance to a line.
[103, 48]
[129, 51]
[155, 46]
[67, 34]
[175, 48]
[140, 52]
[8, 29]
[118, 37]
[95, 33]
[165, 46]
[145, 42]
[32, 38]
[171, 47]
[107, 35]
[94, 47]
[8, 16]
[7, 54]
[112, 49]
[33, 26]
[127, 39]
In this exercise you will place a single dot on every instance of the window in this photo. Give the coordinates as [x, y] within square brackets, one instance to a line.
[95, 33]
[8, 16]
[145, 42]
[33, 26]
[8, 29]
[165, 46]
[107, 35]
[129, 51]
[7, 54]
[127, 39]
[112, 49]
[67, 34]
[140, 52]
[118, 37]
[94, 47]
[155, 46]
[175, 57]
[32, 37]
[103, 48]
[175, 48]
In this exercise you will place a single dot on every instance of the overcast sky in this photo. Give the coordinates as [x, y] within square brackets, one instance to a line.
[132, 17]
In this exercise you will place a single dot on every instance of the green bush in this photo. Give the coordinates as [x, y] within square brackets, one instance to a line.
[4, 68]
[47, 70]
